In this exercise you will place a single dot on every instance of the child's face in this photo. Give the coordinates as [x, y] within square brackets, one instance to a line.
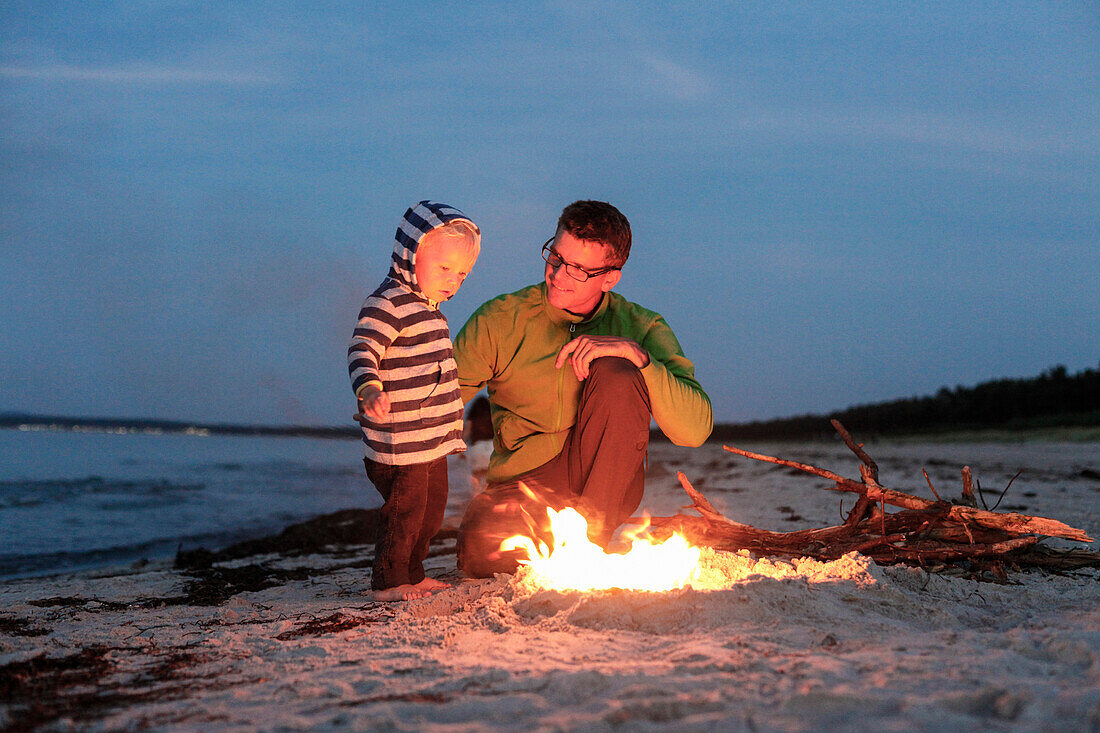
[442, 263]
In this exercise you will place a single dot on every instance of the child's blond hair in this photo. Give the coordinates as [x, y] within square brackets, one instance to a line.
[462, 230]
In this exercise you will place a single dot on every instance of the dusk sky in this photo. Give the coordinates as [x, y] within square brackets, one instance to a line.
[832, 204]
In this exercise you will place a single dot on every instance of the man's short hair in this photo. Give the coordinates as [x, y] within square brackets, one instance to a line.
[598, 221]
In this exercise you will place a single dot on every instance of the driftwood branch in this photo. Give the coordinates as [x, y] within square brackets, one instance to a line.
[924, 532]
[1008, 521]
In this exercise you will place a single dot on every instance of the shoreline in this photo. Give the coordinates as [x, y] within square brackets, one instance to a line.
[1071, 432]
[957, 443]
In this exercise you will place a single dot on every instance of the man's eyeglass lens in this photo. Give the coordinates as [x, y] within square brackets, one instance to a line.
[555, 261]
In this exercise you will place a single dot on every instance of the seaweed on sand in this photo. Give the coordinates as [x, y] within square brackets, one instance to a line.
[332, 624]
[335, 534]
[212, 582]
[342, 529]
[87, 685]
[14, 626]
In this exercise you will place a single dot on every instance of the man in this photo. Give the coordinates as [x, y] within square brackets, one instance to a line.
[574, 373]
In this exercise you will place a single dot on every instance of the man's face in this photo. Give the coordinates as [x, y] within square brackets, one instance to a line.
[442, 264]
[580, 298]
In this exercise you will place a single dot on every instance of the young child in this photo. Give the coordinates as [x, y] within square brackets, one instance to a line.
[404, 374]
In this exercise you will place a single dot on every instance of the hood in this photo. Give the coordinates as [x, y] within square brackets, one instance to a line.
[418, 221]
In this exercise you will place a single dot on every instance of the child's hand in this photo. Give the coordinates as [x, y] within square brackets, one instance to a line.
[373, 402]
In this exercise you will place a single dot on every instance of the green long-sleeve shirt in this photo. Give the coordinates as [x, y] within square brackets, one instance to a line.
[510, 345]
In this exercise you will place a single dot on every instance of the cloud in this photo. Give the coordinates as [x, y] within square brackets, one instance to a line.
[674, 78]
[984, 133]
[155, 75]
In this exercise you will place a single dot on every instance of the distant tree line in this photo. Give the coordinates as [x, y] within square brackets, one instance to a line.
[1052, 399]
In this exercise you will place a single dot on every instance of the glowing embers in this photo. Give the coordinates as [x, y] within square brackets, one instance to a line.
[573, 562]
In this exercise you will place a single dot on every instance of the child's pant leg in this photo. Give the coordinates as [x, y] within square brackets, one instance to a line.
[404, 492]
[435, 506]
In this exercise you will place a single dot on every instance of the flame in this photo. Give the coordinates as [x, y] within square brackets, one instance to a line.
[576, 563]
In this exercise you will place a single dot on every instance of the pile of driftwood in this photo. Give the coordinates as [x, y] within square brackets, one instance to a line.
[934, 534]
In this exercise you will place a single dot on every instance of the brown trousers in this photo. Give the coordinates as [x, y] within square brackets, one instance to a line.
[600, 472]
[415, 499]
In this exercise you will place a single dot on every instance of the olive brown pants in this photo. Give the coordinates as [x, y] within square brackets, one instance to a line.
[600, 472]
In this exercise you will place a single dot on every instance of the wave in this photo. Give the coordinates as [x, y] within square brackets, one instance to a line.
[142, 493]
[14, 566]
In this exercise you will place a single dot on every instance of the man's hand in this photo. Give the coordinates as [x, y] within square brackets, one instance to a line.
[582, 350]
[374, 403]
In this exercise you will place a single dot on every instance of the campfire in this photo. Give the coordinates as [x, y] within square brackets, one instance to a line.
[573, 562]
[665, 553]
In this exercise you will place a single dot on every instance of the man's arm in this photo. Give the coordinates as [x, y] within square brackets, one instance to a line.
[473, 347]
[680, 406]
[582, 350]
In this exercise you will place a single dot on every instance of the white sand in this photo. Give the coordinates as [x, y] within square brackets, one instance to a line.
[831, 646]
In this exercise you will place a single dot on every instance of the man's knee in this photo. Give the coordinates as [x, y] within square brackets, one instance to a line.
[613, 368]
[616, 385]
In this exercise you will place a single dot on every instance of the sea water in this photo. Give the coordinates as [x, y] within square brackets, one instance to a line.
[72, 500]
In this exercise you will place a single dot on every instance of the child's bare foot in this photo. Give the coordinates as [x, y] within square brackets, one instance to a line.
[431, 585]
[398, 593]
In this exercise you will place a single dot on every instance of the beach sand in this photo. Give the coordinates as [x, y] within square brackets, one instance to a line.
[788, 646]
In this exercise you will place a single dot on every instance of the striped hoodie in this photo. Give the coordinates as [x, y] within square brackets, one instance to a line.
[402, 344]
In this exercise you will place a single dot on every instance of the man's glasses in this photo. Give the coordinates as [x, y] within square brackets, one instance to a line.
[576, 272]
